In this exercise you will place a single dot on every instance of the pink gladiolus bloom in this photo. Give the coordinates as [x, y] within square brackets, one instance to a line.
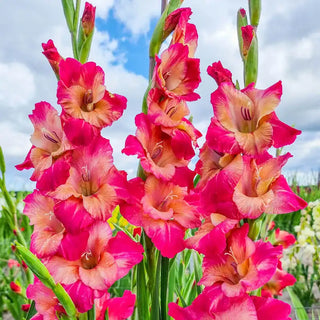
[154, 149]
[184, 32]
[104, 260]
[212, 162]
[177, 74]
[47, 304]
[245, 265]
[212, 304]
[48, 230]
[262, 188]
[284, 238]
[92, 178]
[48, 139]
[268, 308]
[245, 120]
[118, 308]
[87, 20]
[277, 283]
[82, 94]
[165, 111]
[13, 263]
[53, 56]
[211, 236]
[219, 73]
[164, 210]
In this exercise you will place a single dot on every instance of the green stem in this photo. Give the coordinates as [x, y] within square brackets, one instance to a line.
[155, 312]
[164, 287]
[74, 30]
[92, 313]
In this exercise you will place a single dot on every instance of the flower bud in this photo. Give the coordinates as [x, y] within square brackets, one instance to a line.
[15, 288]
[53, 56]
[13, 263]
[242, 21]
[219, 73]
[247, 36]
[25, 307]
[87, 20]
[36, 266]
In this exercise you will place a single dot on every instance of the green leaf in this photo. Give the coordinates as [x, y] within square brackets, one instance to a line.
[32, 311]
[69, 11]
[300, 311]
[92, 313]
[155, 310]
[142, 295]
[2, 163]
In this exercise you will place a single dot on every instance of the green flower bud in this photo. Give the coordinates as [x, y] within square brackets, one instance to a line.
[36, 266]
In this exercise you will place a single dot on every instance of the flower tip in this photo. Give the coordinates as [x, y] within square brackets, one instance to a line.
[242, 12]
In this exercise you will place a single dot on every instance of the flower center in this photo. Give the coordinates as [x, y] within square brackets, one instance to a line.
[245, 112]
[86, 187]
[87, 102]
[88, 260]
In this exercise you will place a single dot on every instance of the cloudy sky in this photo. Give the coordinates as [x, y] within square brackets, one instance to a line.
[289, 47]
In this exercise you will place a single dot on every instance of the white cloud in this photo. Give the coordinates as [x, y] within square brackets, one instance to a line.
[136, 14]
[17, 86]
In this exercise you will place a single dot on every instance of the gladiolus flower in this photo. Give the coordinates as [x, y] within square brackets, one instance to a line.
[118, 308]
[219, 73]
[262, 188]
[277, 283]
[284, 238]
[46, 302]
[177, 74]
[244, 266]
[82, 94]
[154, 148]
[92, 178]
[48, 230]
[165, 111]
[104, 260]
[184, 32]
[212, 304]
[245, 120]
[48, 139]
[164, 210]
[53, 56]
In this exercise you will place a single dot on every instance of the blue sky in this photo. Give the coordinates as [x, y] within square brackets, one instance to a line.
[289, 43]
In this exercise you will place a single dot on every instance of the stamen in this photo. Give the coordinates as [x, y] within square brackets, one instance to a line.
[51, 136]
[157, 150]
[85, 174]
[88, 101]
[171, 111]
[245, 112]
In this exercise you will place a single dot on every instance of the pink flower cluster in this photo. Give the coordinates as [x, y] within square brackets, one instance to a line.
[78, 187]
[239, 181]
[164, 203]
